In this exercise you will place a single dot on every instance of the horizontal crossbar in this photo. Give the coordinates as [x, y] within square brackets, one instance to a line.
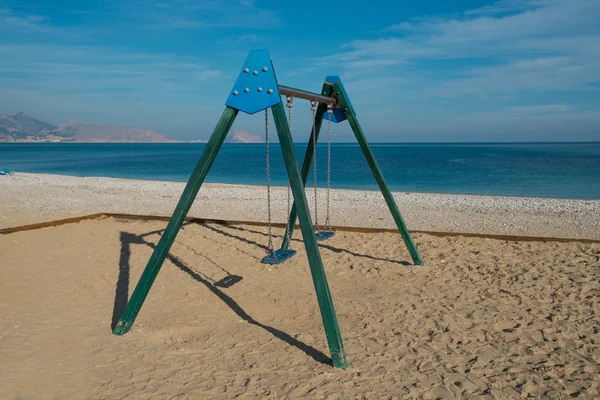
[303, 94]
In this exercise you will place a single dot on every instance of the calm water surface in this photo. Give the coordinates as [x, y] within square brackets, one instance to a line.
[561, 170]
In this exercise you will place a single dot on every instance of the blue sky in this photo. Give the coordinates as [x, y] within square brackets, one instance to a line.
[432, 70]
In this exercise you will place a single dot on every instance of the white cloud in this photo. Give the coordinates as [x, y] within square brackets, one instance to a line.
[203, 14]
[504, 47]
[540, 109]
[9, 20]
[101, 72]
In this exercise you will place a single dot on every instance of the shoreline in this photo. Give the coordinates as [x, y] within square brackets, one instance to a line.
[32, 198]
[308, 188]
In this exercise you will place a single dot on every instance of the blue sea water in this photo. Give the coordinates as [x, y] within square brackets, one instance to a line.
[559, 170]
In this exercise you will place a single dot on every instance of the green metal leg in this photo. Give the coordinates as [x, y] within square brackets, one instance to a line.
[326, 91]
[185, 202]
[385, 190]
[332, 329]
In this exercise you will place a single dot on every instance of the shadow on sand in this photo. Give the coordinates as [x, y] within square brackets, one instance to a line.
[122, 290]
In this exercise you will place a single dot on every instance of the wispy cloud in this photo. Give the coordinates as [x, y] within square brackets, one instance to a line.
[9, 20]
[204, 14]
[525, 45]
[540, 109]
[242, 39]
[100, 71]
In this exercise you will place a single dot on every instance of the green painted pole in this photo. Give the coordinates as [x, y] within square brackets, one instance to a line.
[168, 237]
[306, 165]
[330, 322]
[385, 190]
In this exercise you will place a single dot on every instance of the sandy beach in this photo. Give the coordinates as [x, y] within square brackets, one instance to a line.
[483, 318]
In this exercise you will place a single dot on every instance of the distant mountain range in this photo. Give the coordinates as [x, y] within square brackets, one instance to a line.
[243, 137]
[22, 127]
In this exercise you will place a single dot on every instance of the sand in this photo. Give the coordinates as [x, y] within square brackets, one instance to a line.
[29, 198]
[483, 318]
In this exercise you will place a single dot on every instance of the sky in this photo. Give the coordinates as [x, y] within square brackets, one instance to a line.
[426, 71]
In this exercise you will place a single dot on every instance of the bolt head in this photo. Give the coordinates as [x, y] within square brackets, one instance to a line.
[259, 89]
[246, 70]
[270, 91]
[264, 69]
[235, 92]
[246, 90]
[255, 72]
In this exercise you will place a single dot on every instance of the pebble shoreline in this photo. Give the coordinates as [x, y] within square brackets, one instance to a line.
[29, 198]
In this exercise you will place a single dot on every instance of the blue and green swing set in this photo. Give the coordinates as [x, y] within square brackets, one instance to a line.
[256, 89]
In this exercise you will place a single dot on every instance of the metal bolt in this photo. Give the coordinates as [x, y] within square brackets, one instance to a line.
[259, 89]
[246, 90]
[235, 92]
[270, 91]
[265, 69]
[255, 72]
[246, 70]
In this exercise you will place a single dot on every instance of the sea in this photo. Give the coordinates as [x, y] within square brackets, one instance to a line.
[548, 170]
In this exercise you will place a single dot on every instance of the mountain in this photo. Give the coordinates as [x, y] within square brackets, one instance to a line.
[77, 132]
[244, 137]
[22, 127]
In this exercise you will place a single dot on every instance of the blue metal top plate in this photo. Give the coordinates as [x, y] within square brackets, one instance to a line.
[338, 114]
[256, 87]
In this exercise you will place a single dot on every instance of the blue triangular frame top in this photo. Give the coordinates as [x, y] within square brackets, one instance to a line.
[338, 114]
[256, 86]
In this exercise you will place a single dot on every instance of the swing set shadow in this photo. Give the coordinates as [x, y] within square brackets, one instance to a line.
[122, 290]
[321, 244]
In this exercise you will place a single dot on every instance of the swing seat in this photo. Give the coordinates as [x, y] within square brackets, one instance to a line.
[278, 256]
[323, 235]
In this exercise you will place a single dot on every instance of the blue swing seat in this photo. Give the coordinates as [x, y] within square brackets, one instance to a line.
[278, 256]
[323, 235]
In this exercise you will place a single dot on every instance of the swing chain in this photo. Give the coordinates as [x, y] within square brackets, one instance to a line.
[329, 112]
[313, 107]
[290, 104]
[268, 162]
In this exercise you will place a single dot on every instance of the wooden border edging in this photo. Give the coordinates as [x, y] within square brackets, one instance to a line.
[57, 222]
[137, 217]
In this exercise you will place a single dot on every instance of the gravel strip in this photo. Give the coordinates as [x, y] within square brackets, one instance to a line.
[28, 198]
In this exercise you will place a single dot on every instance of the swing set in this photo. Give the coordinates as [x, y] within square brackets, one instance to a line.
[256, 89]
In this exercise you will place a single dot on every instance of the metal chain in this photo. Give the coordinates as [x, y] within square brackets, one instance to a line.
[268, 162]
[329, 111]
[314, 136]
[290, 104]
